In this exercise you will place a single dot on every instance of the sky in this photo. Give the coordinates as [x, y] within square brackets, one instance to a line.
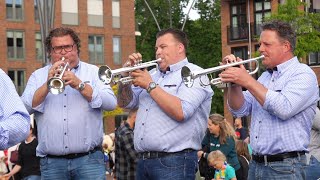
[193, 15]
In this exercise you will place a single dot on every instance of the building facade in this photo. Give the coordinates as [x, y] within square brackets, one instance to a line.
[240, 17]
[106, 29]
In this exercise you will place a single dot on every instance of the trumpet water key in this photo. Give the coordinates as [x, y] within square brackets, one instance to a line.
[56, 84]
[189, 76]
[107, 75]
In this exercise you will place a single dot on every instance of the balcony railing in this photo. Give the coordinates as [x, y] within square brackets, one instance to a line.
[241, 33]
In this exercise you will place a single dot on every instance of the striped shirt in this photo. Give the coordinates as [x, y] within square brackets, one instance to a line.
[14, 118]
[284, 122]
[155, 130]
[68, 123]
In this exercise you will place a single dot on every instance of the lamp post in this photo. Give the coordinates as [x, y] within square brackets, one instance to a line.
[46, 10]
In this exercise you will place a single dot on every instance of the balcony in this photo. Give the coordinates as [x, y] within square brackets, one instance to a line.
[241, 33]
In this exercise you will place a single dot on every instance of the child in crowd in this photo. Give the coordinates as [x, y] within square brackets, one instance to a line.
[224, 171]
[244, 159]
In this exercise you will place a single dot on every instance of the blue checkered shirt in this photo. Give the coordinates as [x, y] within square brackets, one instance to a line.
[283, 123]
[14, 118]
[155, 130]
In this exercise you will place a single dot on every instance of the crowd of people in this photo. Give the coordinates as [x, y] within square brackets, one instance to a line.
[169, 126]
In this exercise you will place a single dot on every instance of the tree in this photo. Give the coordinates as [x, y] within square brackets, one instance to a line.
[306, 25]
[204, 34]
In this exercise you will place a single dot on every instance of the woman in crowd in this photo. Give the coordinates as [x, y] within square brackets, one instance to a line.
[220, 136]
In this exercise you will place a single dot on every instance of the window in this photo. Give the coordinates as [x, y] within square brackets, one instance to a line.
[18, 79]
[239, 26]
[95, 13]
[116, 50]
[69, 12]
[39, 50]
[36, 12]
[314, 5]
[15, 44]
[262, 9]
[314, 58]
[14, 9]
[96, 54]
[115, 14]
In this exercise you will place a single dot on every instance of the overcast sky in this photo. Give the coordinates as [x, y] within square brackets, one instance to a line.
[193, 13]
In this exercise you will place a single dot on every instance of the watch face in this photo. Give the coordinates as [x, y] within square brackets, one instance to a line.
[153, 85]
[81, 86]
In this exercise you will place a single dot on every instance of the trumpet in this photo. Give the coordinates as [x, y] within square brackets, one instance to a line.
[107, 75]
[189, 76]
[56, 84]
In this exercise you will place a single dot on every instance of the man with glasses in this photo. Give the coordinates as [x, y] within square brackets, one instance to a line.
[70, 123]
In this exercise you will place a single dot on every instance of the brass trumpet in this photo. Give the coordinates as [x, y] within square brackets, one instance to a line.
[189, 76]
[56, 84]
[107, 75]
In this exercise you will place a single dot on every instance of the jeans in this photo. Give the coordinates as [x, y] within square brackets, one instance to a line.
[178, 166]
[313, 169]
[32, 177]
[288, 169]
[86, 167]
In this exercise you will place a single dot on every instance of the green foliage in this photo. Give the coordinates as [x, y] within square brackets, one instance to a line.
[118, 110]
[306, 25]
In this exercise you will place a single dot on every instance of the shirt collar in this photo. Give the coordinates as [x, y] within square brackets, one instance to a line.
[176, 66]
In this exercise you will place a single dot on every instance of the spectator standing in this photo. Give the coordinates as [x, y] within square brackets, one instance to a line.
[221, 137]
[244, 159]
[28, 163]
[313, 157]
[70, 126]
[241, 132]
[282, 104]
[125, 154]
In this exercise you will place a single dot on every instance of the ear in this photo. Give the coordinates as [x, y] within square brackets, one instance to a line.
[286, 46]
[181, 48]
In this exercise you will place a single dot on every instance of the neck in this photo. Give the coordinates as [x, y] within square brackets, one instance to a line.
[30, 138]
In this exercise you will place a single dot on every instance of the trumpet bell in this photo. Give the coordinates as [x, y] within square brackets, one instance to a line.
[105, 74]
[187, 76]
[56, 85]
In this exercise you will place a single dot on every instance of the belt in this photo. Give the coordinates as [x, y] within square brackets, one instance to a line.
[75, 155]
[155, 154]
[276, 157]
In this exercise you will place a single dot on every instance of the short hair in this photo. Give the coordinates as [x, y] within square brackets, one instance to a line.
[284, 31]
[216, 155]
[59, 32]
[178, 34]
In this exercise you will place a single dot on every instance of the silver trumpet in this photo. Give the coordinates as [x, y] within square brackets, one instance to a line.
[107, 75]
[56, 84]
[189, 76]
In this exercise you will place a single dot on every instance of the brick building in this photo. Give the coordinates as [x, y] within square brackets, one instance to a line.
[106, 29]
[236, 39]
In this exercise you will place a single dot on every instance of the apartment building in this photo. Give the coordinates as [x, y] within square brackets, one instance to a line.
[236, 39]
[106, 29]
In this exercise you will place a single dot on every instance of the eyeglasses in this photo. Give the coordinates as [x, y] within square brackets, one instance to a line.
[67, 48]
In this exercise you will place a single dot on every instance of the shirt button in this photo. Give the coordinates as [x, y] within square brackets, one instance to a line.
[65, 133]
[64, 119]
[66, 147]
[65, 94]
[256, 137]
[64, 106]
[146, 109]
[141, 138]
[142, 124]
[259, 121]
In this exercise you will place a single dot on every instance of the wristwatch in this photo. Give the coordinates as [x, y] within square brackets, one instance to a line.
[151, 86]
[81, 86]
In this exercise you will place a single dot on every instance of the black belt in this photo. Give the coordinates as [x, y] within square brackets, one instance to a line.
[276, 157]
[75, 155]
[155, 154]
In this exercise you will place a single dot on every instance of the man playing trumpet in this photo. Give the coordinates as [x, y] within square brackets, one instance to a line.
[172, 118]
[282, 104]
[70, 123]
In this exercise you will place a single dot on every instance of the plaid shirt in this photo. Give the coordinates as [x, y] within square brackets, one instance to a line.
[125, 155]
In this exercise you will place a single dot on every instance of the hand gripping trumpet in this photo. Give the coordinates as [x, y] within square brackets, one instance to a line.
[56, 84]
[189, 76]
[107, 75]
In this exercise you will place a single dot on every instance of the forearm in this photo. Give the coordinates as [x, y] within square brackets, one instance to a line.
[16, 169]
[235, 97]
[40, 95]
[125, 94]
[170, 104]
